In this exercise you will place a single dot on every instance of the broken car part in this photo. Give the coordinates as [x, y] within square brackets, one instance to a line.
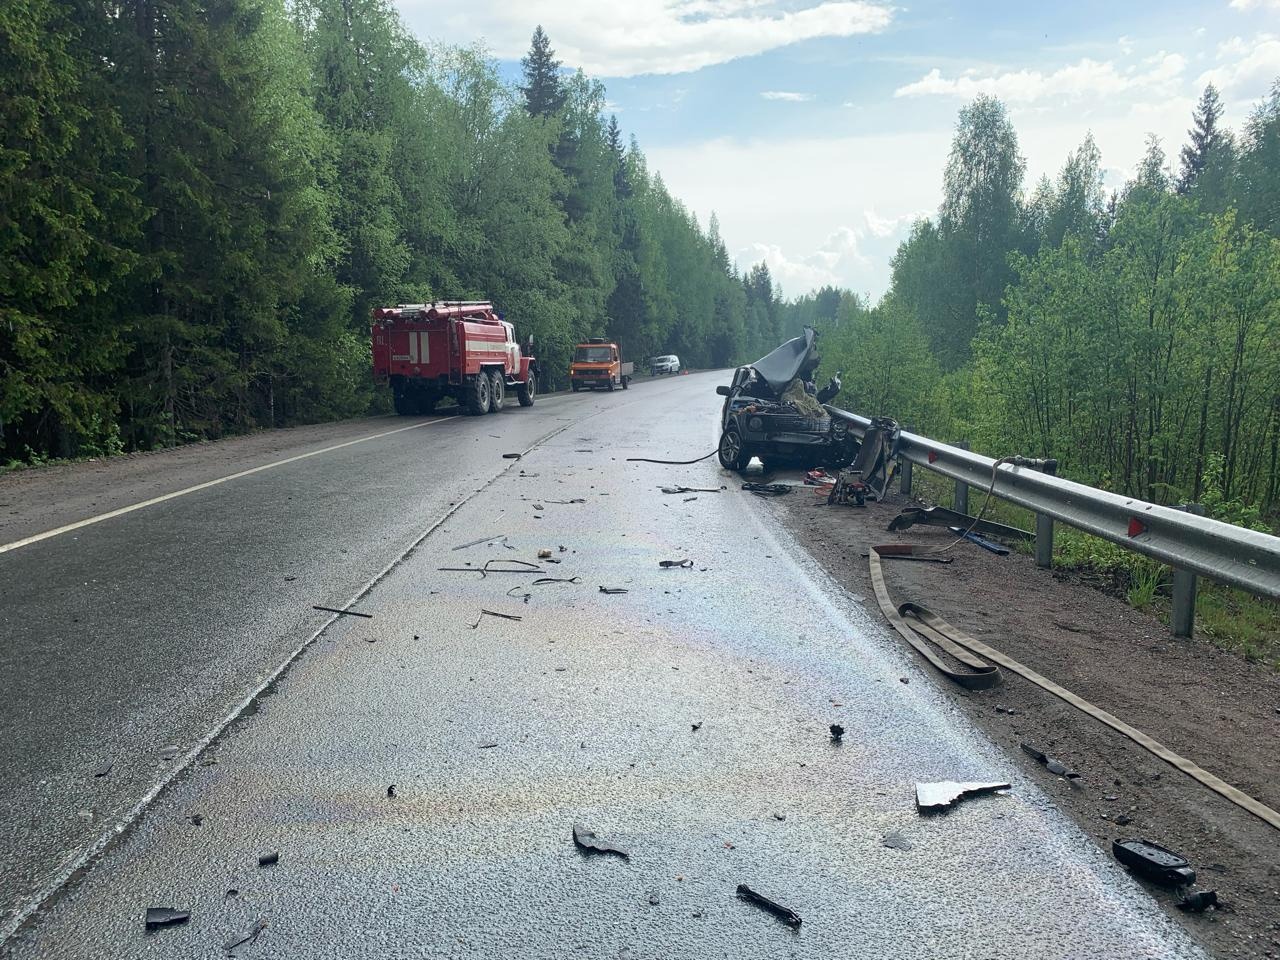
[501, 538]
[691, 489]
[587, 841]
[493, 613]
[613, 589]
[943, 517]
[1053, 766]
[165, 917]
[681, 564]
[345, 613]
[766, 489]
[269, 859]
[925, 623]
[1000, 550]
[525, 566]
[937, 797]
[1198, 901]
[1154, 862]
[785, 914]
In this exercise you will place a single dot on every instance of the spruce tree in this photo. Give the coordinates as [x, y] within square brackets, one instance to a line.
[544, 94]
[1206, 139]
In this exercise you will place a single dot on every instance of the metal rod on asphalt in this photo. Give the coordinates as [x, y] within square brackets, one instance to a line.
[1044, 526]
[904, 480]
[960, 503]
[1184, 590]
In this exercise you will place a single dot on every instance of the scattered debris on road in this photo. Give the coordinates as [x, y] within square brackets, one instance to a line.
[345, 613]
[391, 792]
[896, 841]
[544, 554]
[671, 463]
[488, 568]
[785, 914]
[766, 489]
[494, 613]
[567, 502]
[1154, 862]
[587, 841]
[937, 797]
[512, 456]
[942, 517]
[1055, 767]
[168, 753]
[989, 545]
[681, 564]
[1199, 901]
[269, 859]
[691, 489]
[103, 770]
[497, 538]
[696, 726]
[613, 590]
[248, 938]
[165, 917]
[196, 819]
[543, 580]
[837, 732]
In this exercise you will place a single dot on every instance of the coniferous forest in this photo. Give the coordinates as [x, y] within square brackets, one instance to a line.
[201, 202]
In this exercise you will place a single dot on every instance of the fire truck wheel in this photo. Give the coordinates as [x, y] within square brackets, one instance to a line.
[527, 390]
[497, 390]
[478, 395]
[625, 381]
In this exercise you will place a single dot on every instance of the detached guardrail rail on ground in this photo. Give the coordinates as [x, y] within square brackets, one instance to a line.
[1189, 543]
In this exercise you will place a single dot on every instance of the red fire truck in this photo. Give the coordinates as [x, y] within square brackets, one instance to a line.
[458, 349]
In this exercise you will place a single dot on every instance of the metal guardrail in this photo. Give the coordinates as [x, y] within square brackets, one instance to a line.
[1220, 551]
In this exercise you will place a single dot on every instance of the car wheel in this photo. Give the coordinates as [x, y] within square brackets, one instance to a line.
[732, 452]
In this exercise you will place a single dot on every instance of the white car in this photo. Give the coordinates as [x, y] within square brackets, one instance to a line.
[667, 364]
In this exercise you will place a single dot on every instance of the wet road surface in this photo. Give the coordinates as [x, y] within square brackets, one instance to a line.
[500, 734]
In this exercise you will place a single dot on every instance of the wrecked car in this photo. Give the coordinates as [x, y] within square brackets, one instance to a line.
[772, 411]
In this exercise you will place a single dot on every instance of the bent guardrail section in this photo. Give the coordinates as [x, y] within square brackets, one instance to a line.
[1220, 551]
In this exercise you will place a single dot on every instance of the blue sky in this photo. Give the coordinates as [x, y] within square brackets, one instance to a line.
[817, 130]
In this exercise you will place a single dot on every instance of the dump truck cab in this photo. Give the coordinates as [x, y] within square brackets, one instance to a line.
[598, 363]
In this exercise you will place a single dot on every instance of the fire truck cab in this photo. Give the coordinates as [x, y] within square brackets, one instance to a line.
[463, 350]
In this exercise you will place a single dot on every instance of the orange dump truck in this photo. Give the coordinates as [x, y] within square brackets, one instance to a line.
[598, 363]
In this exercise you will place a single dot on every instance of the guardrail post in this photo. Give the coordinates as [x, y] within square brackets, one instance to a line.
[1044, 528]
[904, 466]
[960, 502]
[1184, 590]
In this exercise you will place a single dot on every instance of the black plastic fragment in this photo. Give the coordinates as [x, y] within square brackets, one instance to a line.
[345, 613]
[269, 859]
[165, 917]
[682, 564]
[936, 797]
[587, 841]
[612, 590]
[837, 733]
[1154, 862]
[785, 914]
[1198, 901]
[391, 791]
[512, 456]
[1053, 766]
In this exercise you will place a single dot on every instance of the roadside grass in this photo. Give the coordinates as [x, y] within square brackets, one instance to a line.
[1228, 618]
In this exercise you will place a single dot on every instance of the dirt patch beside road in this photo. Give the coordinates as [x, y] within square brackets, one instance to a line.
[1208, 705]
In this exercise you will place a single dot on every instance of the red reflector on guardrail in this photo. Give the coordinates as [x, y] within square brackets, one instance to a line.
[1136, 527]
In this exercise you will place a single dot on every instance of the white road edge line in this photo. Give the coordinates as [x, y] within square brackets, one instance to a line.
[111, 514]
[85, 857]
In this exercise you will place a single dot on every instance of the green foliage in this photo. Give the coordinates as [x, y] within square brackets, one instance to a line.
[204, 200]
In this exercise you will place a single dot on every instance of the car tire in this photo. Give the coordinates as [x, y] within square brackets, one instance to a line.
[497, 390]
[732, 452]
[478, 395]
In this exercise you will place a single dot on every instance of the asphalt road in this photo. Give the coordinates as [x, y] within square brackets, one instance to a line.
[147, 631]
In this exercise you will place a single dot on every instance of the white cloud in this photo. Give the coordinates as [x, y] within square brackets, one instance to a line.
[1084, 80]
[1247, 5]
[1255, 66]
[889, 226]
[610, 39]
[786, 95]
[836, 259]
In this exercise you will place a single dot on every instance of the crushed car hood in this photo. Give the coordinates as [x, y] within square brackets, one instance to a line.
[779, 367]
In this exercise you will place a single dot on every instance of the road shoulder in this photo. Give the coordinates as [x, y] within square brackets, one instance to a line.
[1209, 705]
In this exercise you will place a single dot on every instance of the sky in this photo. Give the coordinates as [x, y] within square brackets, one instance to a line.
[818, 130]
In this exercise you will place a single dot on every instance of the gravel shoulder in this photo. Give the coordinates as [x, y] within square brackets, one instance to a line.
[1206, 704]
